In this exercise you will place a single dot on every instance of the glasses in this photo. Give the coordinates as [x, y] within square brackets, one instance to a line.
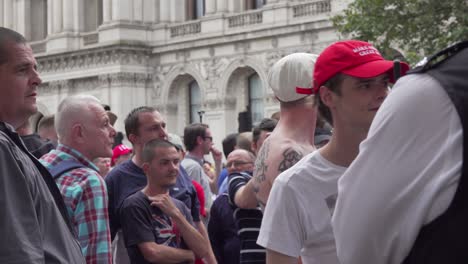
[237, 163]
[210, 138]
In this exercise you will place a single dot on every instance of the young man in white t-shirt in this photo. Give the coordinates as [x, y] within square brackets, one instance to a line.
[350, 82]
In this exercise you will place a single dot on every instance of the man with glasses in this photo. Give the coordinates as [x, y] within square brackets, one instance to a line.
[233, 231]
[198, 141]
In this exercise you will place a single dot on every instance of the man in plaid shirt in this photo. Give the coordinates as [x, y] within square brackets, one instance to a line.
[85, 133]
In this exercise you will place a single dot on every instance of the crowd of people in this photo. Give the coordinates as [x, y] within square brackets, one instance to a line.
[348, 171]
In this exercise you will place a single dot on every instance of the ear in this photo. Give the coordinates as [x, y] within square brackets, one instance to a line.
[253, 146]
[199, 140]
[78, 133]
[133, 138]
[145, 166]
[327, 96]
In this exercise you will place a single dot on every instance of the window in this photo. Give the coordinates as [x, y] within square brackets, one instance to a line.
[254, 4]
[194, 102]
[38, 20]
[255, 99]
[195, 9]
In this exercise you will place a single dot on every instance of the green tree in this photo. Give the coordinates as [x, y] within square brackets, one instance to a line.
[416, 27]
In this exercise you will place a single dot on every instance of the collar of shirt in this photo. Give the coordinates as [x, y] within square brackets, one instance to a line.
[77, 155]
[189, 156]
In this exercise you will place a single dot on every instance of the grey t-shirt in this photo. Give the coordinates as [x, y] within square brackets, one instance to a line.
[31, 224]
[196, 173]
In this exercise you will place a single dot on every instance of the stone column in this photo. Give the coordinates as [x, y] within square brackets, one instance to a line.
[8, 14]
[210, 6]
[175, 8]
[68, 16]
[122, 10]
[107, 11]
[1, 13]
[221, 6]
[22, 17]
[164, 10]
[57, 16]
[234, 6]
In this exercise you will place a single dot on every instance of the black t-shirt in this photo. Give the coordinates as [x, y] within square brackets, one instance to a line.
[127, 178]
[142, 222]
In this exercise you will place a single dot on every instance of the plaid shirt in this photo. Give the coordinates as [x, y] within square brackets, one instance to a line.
[85, 195]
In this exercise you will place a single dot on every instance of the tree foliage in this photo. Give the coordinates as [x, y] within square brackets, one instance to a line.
[416, 27]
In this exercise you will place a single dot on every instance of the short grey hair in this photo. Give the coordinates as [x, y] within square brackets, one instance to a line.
[73, 109]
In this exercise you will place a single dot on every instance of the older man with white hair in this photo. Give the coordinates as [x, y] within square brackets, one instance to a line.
[85, 133]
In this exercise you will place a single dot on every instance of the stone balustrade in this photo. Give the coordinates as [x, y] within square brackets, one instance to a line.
[309, 9]
[90, 38]
[246, 19]
[190, 28]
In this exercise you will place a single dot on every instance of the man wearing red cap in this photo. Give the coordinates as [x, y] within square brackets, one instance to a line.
[350, 83]
[404, 198]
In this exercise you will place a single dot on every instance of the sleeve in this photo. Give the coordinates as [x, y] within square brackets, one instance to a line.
[92, 220]
[404, 176]
[195, 209]
[200, 197]
[236, 181]
[136, 223]
[282, 224]
[18, 221]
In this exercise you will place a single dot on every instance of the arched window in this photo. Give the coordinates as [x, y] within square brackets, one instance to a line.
[195, 9]
[255, 99]
[93, 14]
[38, 20]
[194, 102]
[254, 4]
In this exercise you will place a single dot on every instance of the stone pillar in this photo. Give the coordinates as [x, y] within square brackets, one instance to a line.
[221, 6]
[49, 17]
[57, 16]
[175, 7]
[107, 11]
[122, 10]
[22, 17]
[68, 16]
[1, 13]
[164, 10]
[234, 6]
[210, 6]
[8, 14]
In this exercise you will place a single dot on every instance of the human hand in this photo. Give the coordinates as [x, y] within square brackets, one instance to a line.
[164, 202]
[217, 155]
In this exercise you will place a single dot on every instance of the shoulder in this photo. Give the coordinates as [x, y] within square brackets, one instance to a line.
[137, 199]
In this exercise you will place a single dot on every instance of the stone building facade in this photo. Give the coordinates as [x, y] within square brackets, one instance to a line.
[188, 58]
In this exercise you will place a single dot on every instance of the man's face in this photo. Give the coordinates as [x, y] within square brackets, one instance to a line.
[164, 167]
[103, 164]
[207, 142]
[18, 84]
[151, 126]
[239, 161]
[99, 133]
[360, 99]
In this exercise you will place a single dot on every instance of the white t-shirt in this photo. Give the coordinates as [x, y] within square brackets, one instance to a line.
[405, 175]
[297, 218]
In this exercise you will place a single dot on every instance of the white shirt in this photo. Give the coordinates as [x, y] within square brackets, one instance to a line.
[297, 218]
[405, 175]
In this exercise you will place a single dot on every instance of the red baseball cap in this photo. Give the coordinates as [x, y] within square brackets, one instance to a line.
[118, 151]
[352, 57]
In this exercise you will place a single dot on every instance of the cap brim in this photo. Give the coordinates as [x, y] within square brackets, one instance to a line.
[375, 68]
